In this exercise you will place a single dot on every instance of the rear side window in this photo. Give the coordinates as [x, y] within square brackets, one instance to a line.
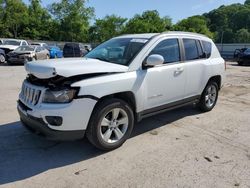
[191, 50]
[207, 46]
[200, 51]
[169, 49]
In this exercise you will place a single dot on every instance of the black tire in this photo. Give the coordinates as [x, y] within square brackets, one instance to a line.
[203, 104]
[240, 63]
[94, 129]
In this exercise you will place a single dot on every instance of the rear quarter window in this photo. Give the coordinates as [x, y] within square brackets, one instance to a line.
[207, 46]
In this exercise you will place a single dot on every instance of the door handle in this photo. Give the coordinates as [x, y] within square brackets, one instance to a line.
[179, 70]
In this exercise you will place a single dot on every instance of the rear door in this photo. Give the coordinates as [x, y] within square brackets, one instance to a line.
[38, 53]
[44, 53]
[195, 62]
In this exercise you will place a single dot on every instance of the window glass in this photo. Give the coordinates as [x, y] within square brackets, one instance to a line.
[200, 51]
[191, 50]
[207, 47]
[118, 50]
[38, 49]
[169, 49]
[24, 44]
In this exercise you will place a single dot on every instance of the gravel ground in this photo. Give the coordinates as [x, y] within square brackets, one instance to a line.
[181, 148]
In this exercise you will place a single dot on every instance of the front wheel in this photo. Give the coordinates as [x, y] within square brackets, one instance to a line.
[2, 58]
[209, 97]
[111, 124]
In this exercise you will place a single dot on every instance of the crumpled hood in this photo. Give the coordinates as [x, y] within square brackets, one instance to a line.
[68, 67]
[11, 47]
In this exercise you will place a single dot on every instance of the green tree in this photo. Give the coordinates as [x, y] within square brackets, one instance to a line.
[247, 2]
[15, 15]
[228, 20]
[148, 22]
[72, 17]
[38, 21]
[242, 36]
[197, 24]
[106, 28]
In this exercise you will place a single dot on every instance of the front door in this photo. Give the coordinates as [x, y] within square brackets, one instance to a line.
[165, 83]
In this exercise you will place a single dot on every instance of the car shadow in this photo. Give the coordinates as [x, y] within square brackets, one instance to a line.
[12, 64]
[24, 155]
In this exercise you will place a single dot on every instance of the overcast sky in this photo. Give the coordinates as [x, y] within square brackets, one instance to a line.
[176, 9]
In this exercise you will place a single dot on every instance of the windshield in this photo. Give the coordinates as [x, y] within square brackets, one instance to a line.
[25, 48]
[119, 50]
[12, 42]
[247, 50]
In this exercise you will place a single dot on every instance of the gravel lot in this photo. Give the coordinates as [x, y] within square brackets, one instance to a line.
[181, 148]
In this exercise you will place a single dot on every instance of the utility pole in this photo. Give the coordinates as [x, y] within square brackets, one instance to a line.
[221, 42]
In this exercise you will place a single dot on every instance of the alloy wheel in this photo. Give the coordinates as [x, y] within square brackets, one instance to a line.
[210, 97]
[114, 125]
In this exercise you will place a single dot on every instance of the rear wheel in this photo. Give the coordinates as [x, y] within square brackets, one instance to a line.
[209, 97]
[111, 124]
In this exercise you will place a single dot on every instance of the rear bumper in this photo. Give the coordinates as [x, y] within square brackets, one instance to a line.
[38, 126]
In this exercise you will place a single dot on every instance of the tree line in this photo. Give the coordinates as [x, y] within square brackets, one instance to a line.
[70, 20]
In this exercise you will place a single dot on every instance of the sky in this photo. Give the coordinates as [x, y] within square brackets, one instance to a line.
[175, 9]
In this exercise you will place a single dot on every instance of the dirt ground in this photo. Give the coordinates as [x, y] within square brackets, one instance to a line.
[181, 148]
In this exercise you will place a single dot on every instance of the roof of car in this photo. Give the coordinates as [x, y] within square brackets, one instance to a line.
[150, 35]
[19, 40]
[143, 35]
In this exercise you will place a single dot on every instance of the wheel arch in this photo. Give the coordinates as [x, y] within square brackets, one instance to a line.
[127, 96]
[216, 79]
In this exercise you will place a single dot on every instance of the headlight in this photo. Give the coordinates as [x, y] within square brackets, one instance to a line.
[59, 96]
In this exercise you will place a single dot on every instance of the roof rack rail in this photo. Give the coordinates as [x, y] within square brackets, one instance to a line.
[183, 32]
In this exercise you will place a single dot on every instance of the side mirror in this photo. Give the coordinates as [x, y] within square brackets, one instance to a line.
[154, 60]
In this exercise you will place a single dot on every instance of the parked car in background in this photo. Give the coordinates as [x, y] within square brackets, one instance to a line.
[55, 52]
[24, 54]
[120, 82]
[2, 56]
[45, 45]
[242, 56]
[88, 47]
[12, 44]
[74, 50]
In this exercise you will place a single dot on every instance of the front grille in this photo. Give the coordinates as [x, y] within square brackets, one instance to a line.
[29, 94]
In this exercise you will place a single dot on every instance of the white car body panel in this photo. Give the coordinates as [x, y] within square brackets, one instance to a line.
[152, 87]
[71, 67]
[11, 47]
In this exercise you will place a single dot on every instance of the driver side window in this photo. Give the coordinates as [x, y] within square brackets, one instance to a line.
[169, 50]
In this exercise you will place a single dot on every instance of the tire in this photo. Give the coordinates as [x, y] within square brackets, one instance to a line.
[209, 97]
[240, 63]
[2, 58]
[104, 130]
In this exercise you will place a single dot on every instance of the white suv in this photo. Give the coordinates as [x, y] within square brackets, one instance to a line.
[118, 83]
